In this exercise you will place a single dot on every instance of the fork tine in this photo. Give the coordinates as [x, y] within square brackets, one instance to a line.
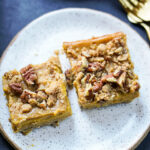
[134, 17]
[127, 5]
[134, 2]
[142, 1]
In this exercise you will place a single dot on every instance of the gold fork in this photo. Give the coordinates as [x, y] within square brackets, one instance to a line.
[132, 14]
[140, 8]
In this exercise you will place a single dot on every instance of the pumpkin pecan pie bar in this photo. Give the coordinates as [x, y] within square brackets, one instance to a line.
[36, 95]
[101, 70]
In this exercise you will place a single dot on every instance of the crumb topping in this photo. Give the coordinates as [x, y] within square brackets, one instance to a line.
[102, 69]
[35, 87]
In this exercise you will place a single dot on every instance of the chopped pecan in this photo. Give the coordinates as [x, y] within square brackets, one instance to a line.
[16, 88]
[111, 79]
[97, 86]
[42, 105]
[137, 86]
[29, 75]
[94, 67]
[85, 54]
[84, 63]
[117, 73]
[89, 92]
[90, 95]
[96, 59]
[118, 50]
[107, 87]
[25, 108]
[93, 80]
[107, 77]
[121, 79]
[54, 88]
[32, 101]
[51, 100]
[123, 57]
[102, 49]
[88, 77]
[41, 95]
[26, 95]
[107, 58]
[69, 77]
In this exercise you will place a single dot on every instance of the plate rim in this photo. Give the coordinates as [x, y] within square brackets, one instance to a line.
[3, 133]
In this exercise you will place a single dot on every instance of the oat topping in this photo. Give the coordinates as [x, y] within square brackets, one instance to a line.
[97, 86]
[104, 64]
[46, 90]
[69, 78]
[52, 99]
[33, 102]
[95, 66]
[42, 105]
[26, 108]
[36, 95]
[26, 95]
[41, 95]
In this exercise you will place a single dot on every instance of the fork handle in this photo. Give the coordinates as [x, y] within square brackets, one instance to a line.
[147, 29]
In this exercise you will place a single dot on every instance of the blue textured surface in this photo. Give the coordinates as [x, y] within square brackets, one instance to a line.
[15, 14]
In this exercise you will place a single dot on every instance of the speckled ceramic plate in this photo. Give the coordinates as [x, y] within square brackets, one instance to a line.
[121, 126]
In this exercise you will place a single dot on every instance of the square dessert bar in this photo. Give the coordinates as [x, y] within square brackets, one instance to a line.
[101, 70]
[36, 95]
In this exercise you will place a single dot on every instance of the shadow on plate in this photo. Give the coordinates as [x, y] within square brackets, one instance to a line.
[115, 118]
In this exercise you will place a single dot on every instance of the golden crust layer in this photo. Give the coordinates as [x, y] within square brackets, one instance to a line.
[94, 40]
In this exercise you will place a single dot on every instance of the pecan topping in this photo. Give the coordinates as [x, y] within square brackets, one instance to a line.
[85, 54]
[42, 105]
[84, 62]
[89, 92]
[26, 108]
[121, 79]
[94, 67]
[69, 77]
[117, 73]
[137, 86]
[53, 88]
[16, 88]
[107, 58]
[88, 77]
[97, 86]
[32, 102]
[105, 78]
[51, 100]
[26, 95]
[90, 95]
[29, 75]
[41, 95]
[123, 57]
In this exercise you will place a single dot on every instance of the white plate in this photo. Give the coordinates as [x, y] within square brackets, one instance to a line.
[116, 127]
